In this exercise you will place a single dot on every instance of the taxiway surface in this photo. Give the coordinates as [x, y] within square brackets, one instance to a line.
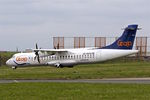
[112, 80]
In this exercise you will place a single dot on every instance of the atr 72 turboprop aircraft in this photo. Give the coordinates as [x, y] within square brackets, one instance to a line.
[70, 57]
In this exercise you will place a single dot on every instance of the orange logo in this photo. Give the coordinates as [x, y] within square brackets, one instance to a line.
[127, 44]
[24, 59]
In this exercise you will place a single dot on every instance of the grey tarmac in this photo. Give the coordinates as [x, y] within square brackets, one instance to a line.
[111, 80]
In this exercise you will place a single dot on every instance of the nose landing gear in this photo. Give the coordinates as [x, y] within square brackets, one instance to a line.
[13, 67]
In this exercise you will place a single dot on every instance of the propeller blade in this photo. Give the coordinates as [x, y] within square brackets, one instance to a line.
[37, 54]
[36, 46]
[38, 58]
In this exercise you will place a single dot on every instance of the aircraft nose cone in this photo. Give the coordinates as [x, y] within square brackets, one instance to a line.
[10, 62]
[7, 62]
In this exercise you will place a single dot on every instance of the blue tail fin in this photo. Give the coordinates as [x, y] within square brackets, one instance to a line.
[126, 41]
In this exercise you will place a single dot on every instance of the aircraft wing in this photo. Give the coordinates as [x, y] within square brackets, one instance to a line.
[51, 51]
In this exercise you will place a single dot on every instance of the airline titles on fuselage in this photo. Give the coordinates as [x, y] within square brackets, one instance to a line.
[84, 56]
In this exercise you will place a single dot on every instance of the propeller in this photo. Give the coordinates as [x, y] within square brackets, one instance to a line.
[37, 54]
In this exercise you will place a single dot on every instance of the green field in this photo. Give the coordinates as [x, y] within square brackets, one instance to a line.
[118, 68]
[74, 91]
[91, 71]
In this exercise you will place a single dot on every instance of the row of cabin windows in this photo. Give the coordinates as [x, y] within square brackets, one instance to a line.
[85, 56]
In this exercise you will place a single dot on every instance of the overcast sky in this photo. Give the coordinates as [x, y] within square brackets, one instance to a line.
[26, 22]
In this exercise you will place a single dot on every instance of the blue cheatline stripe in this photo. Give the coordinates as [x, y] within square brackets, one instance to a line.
[21, 64]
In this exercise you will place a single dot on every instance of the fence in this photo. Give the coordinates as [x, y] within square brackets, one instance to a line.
[141, 43]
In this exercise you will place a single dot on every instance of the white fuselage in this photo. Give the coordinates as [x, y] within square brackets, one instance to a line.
[70, 58]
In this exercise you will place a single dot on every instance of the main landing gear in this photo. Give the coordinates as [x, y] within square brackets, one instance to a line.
[58, 65]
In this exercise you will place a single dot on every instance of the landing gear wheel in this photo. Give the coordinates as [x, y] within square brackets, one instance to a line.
[59, 65]
[13, 67]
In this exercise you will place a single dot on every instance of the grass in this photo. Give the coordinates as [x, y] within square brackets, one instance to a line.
[4, 56]
[74, 91]
[7, 54]
[91, 71]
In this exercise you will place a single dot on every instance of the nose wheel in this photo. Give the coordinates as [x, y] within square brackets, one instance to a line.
[13, 67]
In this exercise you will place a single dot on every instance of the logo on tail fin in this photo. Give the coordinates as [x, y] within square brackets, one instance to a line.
[126, 44]
[126, 40]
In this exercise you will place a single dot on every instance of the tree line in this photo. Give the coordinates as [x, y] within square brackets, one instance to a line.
[4, 56]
